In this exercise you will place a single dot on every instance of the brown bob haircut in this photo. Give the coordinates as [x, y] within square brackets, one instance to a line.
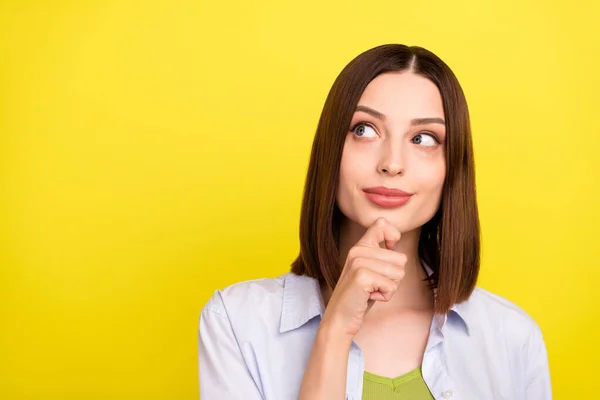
[450, 241]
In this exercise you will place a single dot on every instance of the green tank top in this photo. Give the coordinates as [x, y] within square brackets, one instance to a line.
[409, 386]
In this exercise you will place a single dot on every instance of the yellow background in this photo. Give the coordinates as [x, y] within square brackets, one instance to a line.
[152, 152]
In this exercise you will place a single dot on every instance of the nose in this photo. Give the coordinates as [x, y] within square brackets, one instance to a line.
[392, 169]
[391, 163]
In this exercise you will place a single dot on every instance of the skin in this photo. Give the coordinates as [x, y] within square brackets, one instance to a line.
[381, 301]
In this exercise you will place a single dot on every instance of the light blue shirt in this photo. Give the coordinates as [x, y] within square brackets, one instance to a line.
[255, 338]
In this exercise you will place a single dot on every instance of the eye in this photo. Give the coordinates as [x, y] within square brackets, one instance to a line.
[425, 139]
[364, 130]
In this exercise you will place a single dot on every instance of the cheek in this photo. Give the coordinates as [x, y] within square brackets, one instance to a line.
[432, 177]
[352, 175]
[344, 173]
[353, 165]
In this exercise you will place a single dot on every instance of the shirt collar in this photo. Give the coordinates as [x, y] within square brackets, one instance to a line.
[457, 310]
[461, 312]
[302, 301]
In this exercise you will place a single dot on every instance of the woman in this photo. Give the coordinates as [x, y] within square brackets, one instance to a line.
[381, 303]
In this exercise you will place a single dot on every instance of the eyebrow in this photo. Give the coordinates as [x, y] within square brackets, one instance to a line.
[425, 121]
[413, 122]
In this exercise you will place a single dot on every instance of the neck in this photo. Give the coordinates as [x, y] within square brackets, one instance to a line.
[413, 291]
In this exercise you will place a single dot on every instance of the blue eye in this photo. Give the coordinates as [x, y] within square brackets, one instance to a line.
[425, 139]
[364, 130]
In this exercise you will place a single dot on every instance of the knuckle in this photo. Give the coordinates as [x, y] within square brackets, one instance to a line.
[393, 288]
[353, 252]
[358, 262]
[402, 259]
[389, 270]
[380, 221]
[362, 275]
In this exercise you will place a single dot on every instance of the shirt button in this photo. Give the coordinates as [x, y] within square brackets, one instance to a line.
[447, 394]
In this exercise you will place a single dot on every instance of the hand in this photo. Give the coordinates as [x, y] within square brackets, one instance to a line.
[370, 274]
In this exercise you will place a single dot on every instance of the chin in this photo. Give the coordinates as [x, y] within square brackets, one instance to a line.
[397, 218]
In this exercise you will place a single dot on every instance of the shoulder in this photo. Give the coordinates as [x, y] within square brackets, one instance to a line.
[503, 334]
[243, 297]
[492, 315]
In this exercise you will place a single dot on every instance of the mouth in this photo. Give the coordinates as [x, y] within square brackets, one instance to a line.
[387, 197]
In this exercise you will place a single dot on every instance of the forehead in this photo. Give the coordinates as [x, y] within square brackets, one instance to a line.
[403, 95]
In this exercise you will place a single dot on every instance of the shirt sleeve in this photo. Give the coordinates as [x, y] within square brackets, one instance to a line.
[537, 369]
[223, 373]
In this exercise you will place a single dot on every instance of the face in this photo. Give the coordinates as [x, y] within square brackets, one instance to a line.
[395, 141]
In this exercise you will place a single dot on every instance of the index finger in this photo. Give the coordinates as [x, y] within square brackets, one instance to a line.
[381, 231]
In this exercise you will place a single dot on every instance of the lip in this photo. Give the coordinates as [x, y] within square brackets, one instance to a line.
[387, 197]
[384, 191]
